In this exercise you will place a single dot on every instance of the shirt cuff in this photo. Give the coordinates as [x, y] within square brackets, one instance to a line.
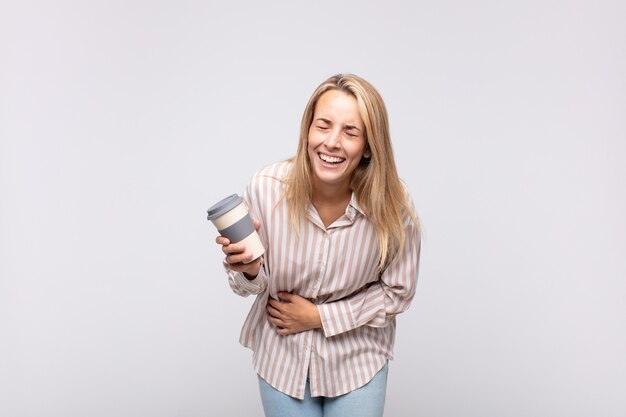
[248, 285]
[336, 318]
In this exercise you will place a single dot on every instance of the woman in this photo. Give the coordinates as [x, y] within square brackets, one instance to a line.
[342, 252]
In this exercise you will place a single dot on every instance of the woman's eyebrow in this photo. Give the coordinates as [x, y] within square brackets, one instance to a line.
[350, 127]
[323, 120]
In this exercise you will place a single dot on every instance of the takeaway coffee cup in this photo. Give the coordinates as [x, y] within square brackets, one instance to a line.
[230, 217]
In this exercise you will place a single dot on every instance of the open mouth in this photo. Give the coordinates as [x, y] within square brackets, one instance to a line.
[333, 160]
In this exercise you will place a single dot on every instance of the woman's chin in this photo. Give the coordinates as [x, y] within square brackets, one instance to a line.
[330, 178]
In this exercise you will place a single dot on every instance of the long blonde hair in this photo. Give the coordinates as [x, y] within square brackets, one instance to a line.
[375, 181]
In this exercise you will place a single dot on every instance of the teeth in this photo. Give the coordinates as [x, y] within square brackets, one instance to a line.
[330, 159]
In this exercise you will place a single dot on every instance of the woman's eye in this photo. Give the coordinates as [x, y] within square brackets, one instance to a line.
[322, 128]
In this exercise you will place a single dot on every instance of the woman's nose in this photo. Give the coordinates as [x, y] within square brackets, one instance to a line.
[332, 140]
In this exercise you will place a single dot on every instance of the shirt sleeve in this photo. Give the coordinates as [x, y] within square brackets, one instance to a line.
[243, 286]
[379, 302]
[238, 282]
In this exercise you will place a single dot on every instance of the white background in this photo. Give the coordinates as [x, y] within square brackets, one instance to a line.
[122, 121]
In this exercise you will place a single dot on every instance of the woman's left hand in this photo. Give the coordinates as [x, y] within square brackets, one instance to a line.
[293, 314]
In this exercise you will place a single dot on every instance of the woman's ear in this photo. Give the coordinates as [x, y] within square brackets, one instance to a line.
[367, 154]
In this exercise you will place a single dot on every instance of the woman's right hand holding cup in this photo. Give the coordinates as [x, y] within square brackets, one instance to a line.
[236, 255]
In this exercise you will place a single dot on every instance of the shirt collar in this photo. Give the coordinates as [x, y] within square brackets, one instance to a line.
[354, 204]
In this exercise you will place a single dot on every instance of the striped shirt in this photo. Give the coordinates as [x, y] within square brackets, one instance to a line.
[335, 267]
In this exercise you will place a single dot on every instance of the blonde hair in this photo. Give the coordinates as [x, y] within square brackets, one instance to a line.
[375, 181]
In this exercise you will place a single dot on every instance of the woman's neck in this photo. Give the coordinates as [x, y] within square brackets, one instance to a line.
[331, 195]
[330, 202]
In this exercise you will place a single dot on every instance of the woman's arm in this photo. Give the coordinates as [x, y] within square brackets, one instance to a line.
[379, 302]
[375, 305]
[246, 278]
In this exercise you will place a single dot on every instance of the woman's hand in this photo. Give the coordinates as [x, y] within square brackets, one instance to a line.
[293, 314]
[236, 254]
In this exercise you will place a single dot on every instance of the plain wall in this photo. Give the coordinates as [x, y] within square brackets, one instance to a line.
[121, 122]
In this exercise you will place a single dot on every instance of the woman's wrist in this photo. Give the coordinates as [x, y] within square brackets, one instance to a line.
[250, 277]
[254, 270]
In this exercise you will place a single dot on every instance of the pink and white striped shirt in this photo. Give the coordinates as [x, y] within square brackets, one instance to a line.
[336, 268]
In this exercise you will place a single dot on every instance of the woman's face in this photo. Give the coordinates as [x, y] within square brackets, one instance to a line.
[336, 139]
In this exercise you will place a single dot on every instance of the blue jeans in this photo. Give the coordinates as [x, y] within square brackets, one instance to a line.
[367, 401]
